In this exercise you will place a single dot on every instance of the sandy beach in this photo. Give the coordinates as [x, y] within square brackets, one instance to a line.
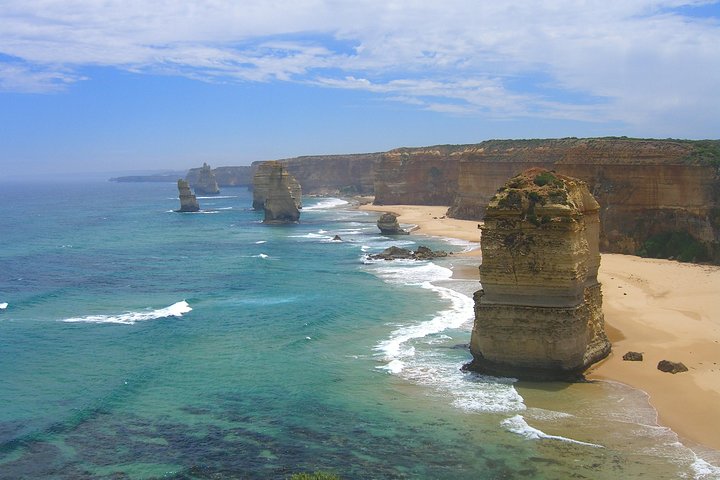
[665, 309]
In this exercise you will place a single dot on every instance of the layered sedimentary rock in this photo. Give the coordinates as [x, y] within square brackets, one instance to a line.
[334, 174]
[188, 202]
[539, 315]
[645, 187]
[420, 176]
[203, 180]
[277, 193]
[265, 175]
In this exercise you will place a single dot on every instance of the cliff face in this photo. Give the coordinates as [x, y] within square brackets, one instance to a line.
[240, 176]
[645, 187]
[334, 174]
[188, 202]
[422, 176]
[277, 192]
[203, 180]
[539, 315]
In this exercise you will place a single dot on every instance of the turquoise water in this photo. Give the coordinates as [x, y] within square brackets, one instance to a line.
[142, 343]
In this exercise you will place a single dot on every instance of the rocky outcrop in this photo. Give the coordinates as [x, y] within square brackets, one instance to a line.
[203, 180]
[671, 367]
[633, 357]
[388, 225]
[645, 187]
[539, 315]
[277, 193]
[397, 253]
[265, 174]
[188, 202]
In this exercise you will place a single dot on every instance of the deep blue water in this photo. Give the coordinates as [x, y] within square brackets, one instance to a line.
[142, 343]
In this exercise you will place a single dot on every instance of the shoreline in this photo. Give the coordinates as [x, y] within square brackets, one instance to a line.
[665, 309]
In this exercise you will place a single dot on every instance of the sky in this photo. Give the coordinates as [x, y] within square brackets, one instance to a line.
[132, 85]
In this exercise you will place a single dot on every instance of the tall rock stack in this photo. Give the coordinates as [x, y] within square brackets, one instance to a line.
[277, 193]
[262, 183]
[188, 202]
[205, 182]
[539, 315]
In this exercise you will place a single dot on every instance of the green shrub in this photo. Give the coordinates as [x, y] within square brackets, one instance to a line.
[679, 245]
[546, 178]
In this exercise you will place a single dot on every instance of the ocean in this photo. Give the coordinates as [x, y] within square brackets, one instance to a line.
[137, 342]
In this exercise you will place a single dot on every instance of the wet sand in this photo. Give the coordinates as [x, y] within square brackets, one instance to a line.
[664, 309]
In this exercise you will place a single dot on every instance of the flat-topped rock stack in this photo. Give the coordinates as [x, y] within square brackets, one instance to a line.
[277, 193]
[265, 174]
[539, 315]
[188, 201]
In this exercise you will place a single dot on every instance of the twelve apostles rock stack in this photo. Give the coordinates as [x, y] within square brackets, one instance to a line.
[188, 201]
[277, 193]
[204, 182]
[539, 315]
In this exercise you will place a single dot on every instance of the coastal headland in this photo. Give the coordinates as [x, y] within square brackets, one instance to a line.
[665, 309]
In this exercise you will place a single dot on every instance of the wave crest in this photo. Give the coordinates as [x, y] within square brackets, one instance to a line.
[129, 318]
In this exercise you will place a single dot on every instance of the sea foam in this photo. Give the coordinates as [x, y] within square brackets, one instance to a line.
[326, 204]
[129, 318]
[3, 305]
[517, 424]
[412, 352]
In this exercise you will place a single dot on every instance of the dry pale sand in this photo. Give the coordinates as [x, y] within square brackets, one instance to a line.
[664, 309]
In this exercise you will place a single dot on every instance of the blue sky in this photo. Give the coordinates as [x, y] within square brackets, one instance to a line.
[136, 85]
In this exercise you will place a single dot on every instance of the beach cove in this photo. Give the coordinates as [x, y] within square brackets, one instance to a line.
[143, 343]
[663, 308]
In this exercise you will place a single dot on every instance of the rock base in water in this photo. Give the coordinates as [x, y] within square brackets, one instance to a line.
[388, 225]
[188, 201]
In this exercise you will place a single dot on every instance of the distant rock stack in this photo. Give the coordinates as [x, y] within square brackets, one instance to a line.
[275, 190]
[188, 202]
[262, 181]
[539, 314]
[205, 183]
[388, 225]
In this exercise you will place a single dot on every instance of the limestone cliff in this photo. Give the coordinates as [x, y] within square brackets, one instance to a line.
[539, 315]
[203, 180]
[334, 174]
[645, 187]
[265, 174]
[420, 176]
[277, 193]
[188, 202]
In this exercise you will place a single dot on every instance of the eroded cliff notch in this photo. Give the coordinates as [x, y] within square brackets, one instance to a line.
[277, 193]
[539, 315]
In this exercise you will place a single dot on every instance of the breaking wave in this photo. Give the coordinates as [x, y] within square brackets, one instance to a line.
[129, 318]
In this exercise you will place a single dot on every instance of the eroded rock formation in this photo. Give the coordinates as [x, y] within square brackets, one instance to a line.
[268, 172]
[277, 193]
[398, 253]
[645, 187]
[539, 315]
[188, 202]
[388, 225]
[240, 176]
[204, 182]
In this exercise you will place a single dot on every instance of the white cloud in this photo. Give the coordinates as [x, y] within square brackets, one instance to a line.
[636, 62]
